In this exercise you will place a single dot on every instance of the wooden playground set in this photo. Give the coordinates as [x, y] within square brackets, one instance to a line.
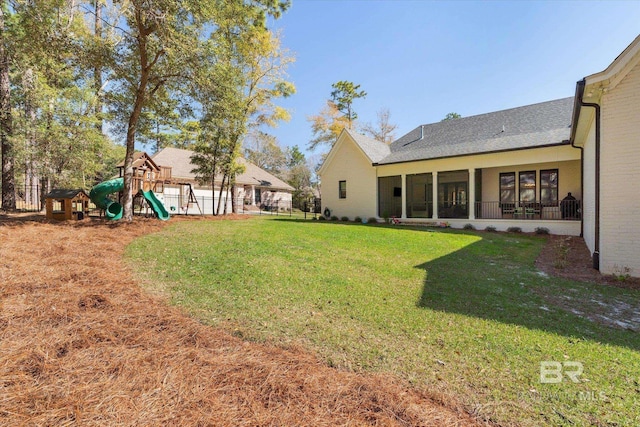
[149, 179]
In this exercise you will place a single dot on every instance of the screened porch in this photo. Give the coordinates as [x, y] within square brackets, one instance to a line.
[530, 192]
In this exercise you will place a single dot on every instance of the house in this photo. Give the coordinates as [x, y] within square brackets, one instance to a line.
[255, 187]
[606, 129]
[505, 169]
[565, 165]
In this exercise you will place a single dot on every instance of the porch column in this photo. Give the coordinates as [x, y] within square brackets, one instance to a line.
[404, 196]
[434, 196]
[253, 195]
[471, 200]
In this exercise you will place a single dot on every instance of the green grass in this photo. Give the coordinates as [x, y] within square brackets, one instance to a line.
[464, 314]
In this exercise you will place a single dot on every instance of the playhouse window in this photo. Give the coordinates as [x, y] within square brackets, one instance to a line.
[58, 205]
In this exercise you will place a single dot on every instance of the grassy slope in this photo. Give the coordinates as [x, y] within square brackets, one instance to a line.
[458, 313]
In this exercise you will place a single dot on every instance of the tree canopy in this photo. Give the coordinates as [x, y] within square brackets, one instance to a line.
[343, 95]
[326, 126]
[337, 114]
[51, 126]
[159, 72]
[236, 91]
[451, 116]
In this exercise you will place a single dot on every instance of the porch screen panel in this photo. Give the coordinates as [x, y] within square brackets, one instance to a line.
[420, 195]
[508, 187]
[549, 187]
[452, 194]
[390, 196]
[528, 186]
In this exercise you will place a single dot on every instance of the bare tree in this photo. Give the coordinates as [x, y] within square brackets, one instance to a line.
[383, 130]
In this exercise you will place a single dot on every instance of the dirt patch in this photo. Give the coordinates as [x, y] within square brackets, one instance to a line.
[568, 257]
[83, 343]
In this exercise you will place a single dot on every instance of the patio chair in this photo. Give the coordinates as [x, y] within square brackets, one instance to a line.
[518, 212]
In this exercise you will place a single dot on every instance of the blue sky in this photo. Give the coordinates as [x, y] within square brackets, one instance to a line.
[424, 59]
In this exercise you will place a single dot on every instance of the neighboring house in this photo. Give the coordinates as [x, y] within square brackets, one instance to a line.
[255, 187]
[169, 174]
[553, 164]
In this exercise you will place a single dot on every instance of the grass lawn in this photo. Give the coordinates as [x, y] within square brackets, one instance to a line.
[462, 314]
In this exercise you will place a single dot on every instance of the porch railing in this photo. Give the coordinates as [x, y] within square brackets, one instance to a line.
[564, 210]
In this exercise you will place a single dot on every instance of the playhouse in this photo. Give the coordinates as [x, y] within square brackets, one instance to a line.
[65, 204]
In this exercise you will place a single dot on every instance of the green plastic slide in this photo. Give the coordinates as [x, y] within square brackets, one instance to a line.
[156, 205]
[98, 195]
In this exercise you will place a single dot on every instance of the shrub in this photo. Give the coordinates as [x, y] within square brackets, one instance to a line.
[334, 218]
[469, 227]
[344, 218]
[560, 251]
[322, 218]
[514, 230]
[357, 219]
[621, 273]
[373, 220]
[542, 230]
[490, 229]
[560, 263]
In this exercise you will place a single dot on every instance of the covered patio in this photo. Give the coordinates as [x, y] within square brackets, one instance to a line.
[528, 195]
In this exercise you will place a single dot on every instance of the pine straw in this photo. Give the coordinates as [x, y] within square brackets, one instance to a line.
[82, 343]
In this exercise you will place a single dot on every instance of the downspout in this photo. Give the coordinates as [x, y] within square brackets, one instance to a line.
[596, 249]
[579, 93]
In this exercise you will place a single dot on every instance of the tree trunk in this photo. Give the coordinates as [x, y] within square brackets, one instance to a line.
[232, 183]
[127, 201]
[226, 197]
[97, 71]
[8, 178]
[45, 187]
[134, 117]
[31, 176]
[224, 177]
[214, 167]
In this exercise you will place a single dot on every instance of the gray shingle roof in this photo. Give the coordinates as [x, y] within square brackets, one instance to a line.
[537, 125]
[374, 149]
[180, 162]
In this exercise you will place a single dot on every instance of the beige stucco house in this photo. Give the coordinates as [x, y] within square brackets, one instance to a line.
[565, 165]
[178, 186]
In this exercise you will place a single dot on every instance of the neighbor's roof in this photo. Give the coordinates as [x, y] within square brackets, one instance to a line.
[374, 149]
[180, 162]
[531, 126]
[64, 193]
